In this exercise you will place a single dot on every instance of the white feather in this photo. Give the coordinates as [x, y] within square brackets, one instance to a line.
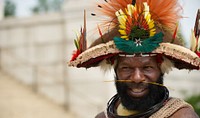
[166, 65]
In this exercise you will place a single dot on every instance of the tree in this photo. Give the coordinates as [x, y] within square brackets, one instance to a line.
[9, 9]
[195, 102]
[45, 6]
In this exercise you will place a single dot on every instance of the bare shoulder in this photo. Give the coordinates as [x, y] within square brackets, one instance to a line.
[185, 112]
[100, 115]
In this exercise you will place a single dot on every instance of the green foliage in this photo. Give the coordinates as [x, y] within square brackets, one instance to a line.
[9, 9]
[195, 102]
[45, 6]
[137, 32]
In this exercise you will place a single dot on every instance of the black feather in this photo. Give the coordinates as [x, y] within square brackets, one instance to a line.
[99, 6]
[93, 14]
[133, 2]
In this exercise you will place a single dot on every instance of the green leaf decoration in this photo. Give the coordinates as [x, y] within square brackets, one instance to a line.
[139, 46]
[76, 44]
[138, 32]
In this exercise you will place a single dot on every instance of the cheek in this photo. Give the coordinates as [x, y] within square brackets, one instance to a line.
[123, 75]
[153, 76]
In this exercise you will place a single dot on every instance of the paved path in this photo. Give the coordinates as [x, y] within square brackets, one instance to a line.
[19, 101]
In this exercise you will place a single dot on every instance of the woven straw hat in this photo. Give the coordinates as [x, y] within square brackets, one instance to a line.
[138, 28]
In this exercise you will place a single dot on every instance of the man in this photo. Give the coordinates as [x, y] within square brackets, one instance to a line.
[136, 98]
[141, 46]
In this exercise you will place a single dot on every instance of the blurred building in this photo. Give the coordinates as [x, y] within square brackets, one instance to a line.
[35, 50]
[1, 9]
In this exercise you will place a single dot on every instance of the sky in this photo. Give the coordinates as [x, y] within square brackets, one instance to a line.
[24, 6]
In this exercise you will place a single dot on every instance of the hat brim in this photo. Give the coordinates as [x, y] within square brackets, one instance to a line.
[182, 57]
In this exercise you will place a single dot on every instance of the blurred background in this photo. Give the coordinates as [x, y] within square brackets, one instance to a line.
[36, 42]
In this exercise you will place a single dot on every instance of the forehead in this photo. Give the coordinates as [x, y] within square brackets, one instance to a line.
[137, 60]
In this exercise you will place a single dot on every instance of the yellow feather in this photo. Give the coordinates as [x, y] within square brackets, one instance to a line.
[193, 41]
[122, 32]
[124, 37]
[130, 9]
[122, 27]
[198, 45]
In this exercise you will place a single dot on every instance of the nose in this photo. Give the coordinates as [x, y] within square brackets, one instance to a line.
[137, 76]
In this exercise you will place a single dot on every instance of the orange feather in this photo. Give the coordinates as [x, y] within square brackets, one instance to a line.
[164, 12]
[109, 8]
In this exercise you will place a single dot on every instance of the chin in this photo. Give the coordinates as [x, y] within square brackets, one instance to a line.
[141, 98]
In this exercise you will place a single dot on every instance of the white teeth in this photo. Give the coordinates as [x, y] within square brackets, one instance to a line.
[137, 90]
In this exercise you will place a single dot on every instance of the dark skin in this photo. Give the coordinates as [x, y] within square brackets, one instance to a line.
[143, 69]
[138, 70]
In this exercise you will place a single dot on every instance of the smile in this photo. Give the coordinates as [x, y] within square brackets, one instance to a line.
[137, 92]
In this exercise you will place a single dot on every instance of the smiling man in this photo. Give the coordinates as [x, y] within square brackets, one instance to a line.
[137, 94]
[141, 46]
[141, 93]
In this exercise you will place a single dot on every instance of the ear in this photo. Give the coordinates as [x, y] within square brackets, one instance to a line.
[166, 65]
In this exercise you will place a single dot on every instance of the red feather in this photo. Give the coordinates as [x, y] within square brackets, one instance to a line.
[198, 53]
[75, 55]
[100, 33]
[82, 43]
[175, 32]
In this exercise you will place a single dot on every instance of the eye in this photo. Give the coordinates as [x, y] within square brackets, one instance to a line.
[124, 68]
[148, 67]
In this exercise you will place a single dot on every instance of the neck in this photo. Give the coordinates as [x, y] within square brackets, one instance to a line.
[122, 111]
[115, 110]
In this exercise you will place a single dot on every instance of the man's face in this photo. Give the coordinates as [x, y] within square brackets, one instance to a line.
[138, 95]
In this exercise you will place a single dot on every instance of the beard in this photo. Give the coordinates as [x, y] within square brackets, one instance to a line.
[155, 95]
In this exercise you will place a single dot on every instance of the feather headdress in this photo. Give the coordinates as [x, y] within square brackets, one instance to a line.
[195, 36]
[141, 27]
[166, 13]
[80, 41]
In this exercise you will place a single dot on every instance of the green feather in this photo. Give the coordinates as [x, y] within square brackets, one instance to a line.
[147, 45]
[138, 32]
[76, 44]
